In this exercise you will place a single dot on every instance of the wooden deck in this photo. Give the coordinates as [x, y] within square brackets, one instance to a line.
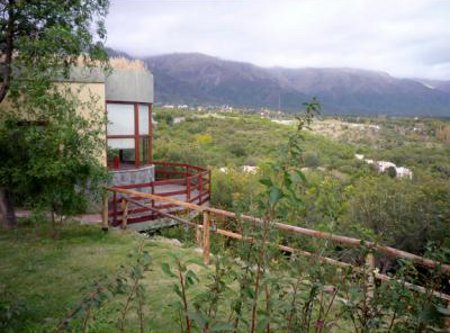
[183, 182]
[165, 190]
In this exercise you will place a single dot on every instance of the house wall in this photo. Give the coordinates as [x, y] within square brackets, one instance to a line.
[91, 97]
[130, 86]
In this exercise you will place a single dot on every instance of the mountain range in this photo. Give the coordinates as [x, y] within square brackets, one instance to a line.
[198, 79]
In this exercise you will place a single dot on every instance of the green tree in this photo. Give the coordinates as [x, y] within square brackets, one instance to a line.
[403, 214]
[39, 42]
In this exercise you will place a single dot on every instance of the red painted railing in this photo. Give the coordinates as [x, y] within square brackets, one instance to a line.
[182, 181]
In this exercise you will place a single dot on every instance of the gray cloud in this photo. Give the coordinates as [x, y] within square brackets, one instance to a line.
[407, 38]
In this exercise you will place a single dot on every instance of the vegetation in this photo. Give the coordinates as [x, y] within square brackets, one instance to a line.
[82, 280]
[253, 286]
[49, 148]
[342, 194]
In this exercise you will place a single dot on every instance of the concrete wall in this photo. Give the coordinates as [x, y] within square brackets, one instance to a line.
[130, 86]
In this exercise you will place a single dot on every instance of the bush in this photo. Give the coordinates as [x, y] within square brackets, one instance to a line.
[311, 159]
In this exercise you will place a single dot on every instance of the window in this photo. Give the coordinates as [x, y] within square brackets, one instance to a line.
[120, 119]
[143, 119]
[128, 129]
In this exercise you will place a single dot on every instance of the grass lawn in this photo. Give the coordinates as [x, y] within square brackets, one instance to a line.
[42, 278]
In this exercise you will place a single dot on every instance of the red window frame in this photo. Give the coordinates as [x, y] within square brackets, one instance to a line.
[136, 136]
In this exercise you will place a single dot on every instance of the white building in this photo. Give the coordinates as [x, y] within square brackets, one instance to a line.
[382, 166]
[402, 172]
[250, 169]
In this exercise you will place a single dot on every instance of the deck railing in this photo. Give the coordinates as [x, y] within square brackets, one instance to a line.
[211, 216]
[187, 182]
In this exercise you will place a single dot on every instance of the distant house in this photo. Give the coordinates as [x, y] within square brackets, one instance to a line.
[245, 168]
[403, 172]
[179, 120]
[382, 166]
[250, 169]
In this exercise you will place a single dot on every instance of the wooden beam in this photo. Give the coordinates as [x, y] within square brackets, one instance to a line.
[125, 213]
[206, 234]
[392, 252]
[369, 259]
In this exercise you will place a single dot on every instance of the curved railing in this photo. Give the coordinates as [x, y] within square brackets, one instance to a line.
[181, 181]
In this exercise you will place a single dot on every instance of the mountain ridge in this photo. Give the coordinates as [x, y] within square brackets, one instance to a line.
[200, 79]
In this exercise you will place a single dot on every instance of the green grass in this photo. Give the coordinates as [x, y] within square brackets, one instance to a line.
[49, 277]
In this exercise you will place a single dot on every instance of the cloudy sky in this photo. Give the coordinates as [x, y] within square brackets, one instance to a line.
[408, 38]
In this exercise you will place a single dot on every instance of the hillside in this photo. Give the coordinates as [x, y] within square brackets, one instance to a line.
[198, 79]
[201, 79]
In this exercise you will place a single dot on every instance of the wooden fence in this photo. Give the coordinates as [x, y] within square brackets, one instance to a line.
[204, 230]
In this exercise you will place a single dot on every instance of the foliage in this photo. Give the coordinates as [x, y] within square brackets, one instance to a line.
[404, 214]
[234, 187]
[329, 198]
[41, 39]
[263, 291]
[51, 151]
[52, 161]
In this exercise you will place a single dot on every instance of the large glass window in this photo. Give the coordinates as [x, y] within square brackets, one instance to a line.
[121, 143]
[128, 144]
[120, 119]
[143, 119]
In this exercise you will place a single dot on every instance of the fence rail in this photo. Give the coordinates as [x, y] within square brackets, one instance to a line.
[190, 183]
[203, 236]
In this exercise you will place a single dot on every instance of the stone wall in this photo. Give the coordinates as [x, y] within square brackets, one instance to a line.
[134, 176]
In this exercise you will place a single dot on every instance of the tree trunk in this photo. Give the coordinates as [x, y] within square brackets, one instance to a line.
[7, 51]
[7, 213]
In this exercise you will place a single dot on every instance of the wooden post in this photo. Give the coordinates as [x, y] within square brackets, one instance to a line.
[200, 194]
[198, 236]
[188, 189]
[124, 213]
[105, 212]
[209, 184]
[370, 268]
[206, 223]
[114, 209]
[153, 200]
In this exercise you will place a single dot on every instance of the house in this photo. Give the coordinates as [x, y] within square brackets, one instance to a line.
[129, 97]
[382, 166]
[402, 172]
[126, 97]
[250, 169]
